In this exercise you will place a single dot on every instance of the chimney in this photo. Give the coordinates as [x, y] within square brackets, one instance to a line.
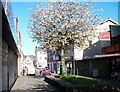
[16, 23]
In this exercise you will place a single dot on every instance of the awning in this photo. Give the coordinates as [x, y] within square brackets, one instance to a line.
[107, 55]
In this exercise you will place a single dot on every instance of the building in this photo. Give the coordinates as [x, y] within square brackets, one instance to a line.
[106, 64]
[119, 12]
[102, 39]
[40, 58]
[10, 53]
[113, 50]
[29, 64]
[18, 44]
[53, 61]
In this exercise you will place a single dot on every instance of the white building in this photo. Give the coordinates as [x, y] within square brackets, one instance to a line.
[40, 57]
[101, 40]
[29, 64]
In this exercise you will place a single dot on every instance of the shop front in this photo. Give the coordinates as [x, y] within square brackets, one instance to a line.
[113, 61]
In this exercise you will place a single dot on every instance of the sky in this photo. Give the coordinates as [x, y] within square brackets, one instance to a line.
[22, 12]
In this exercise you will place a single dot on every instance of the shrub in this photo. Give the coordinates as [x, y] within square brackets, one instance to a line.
[77, 79]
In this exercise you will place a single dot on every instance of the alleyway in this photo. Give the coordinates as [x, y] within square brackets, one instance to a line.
[32, 84]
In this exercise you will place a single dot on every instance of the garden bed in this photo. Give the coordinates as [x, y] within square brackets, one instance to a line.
[78, 79]
[82, 84]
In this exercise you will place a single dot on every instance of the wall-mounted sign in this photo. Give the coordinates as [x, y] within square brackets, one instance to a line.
[104, 36]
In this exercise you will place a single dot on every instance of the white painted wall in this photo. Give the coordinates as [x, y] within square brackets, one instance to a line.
[78, 54]
[96, 46]
[41, 59]
[30, 66]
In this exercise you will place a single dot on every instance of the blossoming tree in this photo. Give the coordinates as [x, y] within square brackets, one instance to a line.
[59, 24]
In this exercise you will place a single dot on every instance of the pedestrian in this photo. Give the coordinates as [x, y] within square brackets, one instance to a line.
[23, 71]
[43, 72]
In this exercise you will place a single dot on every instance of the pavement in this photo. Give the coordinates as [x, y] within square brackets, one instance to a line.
[32, 84]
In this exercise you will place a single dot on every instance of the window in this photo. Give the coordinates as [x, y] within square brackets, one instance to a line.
[45, 58]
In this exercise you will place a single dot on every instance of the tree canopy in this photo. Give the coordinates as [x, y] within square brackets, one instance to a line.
[59, 24]
[56, 25]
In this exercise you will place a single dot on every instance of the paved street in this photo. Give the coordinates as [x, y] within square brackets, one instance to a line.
[32, 84]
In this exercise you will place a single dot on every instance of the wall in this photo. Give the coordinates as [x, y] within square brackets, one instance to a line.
[119, 11]
[95, 48]
[83, 68]
[0, 63]
[12, 66]
[9, 67]
[0, 50]
[4, 66]
[86, 67]
[9, 56]
[78, 54]
[102, 66]
[41, 55]
[18, 44]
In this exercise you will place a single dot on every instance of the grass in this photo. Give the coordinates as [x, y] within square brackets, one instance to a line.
[77, 79]
[82, 80]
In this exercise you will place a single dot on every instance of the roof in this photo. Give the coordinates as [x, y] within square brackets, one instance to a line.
[40, 49]
[109, 19]
[32, 57]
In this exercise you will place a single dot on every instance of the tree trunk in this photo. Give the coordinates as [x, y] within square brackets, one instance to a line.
[63, 61]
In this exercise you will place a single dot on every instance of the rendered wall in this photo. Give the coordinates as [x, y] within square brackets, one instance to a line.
[0, 50]
[4, 66]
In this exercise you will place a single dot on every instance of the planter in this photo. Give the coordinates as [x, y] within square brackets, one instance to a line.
[64, 86]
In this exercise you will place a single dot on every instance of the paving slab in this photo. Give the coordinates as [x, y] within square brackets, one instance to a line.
[32, 84]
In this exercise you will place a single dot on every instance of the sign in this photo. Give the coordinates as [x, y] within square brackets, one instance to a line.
[104, 36]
